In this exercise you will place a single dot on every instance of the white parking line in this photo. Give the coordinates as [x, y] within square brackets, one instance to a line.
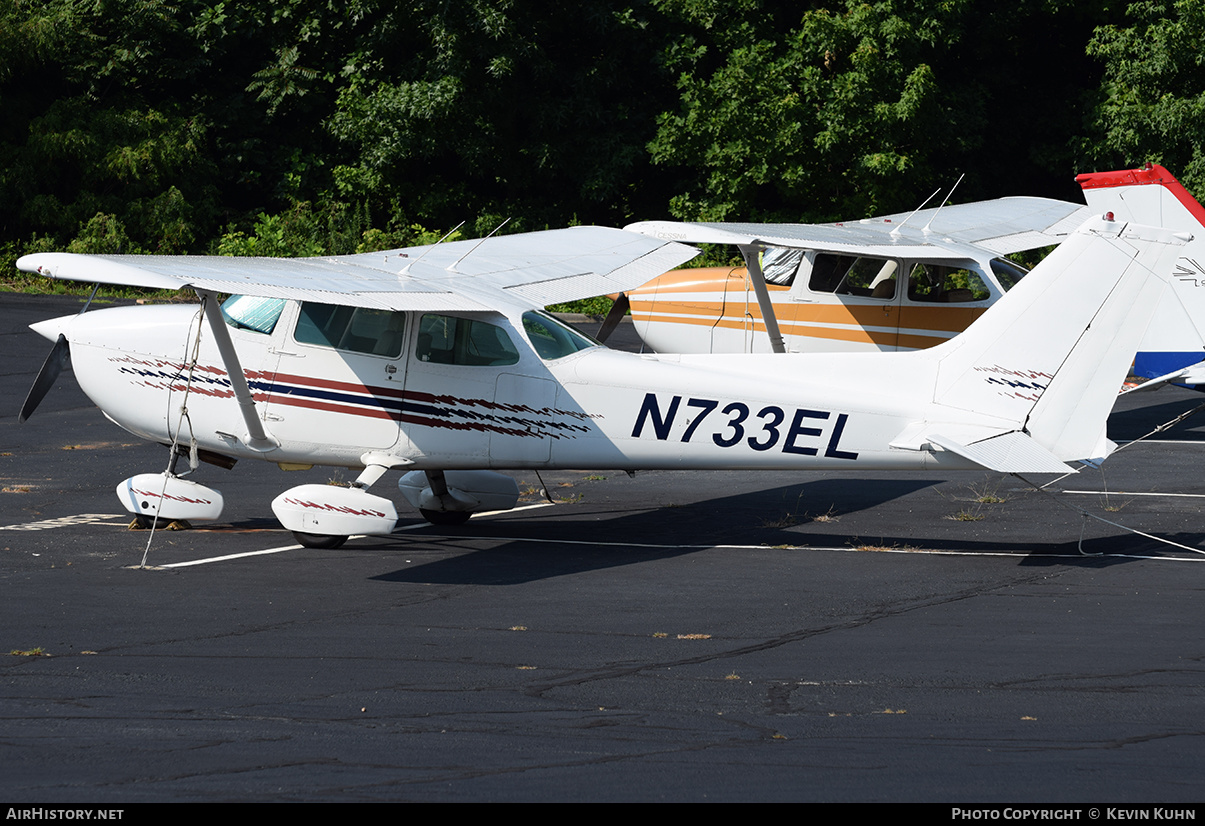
[64, 521]
[625, 544]
[1132, 493]
[874, 549]
[281, 549]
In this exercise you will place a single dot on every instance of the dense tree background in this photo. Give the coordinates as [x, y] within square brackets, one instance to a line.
[313, 126]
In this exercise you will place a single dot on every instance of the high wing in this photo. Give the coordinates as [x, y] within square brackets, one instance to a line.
[524, 270]
[1001, 226]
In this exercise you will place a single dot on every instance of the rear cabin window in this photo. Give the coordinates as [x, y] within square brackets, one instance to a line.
[247, 312]
[1008, 273]
[849, 275]
[936, 283]
[450, 340]
[354, 329]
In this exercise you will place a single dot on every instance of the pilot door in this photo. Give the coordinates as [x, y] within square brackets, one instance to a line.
[452, 385]
[845, 303]
[340, 377]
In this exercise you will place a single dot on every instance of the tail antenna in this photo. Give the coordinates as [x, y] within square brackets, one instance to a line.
[943, 203]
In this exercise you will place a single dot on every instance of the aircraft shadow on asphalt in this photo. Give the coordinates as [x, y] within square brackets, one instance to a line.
[547, 548]
[1128, 424]
[753, 518]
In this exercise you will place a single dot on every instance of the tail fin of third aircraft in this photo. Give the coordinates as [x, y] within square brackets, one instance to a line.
[1152, 195]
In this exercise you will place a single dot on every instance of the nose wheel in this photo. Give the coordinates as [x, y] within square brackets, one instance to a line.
[445, 517]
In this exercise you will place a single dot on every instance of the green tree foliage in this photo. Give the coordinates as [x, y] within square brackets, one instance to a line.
[859, 107]
[1152, 102]
[534, 111]
[305, 126]
[172, 116]
[84, 130]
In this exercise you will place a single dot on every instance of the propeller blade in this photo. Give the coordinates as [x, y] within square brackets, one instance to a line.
[618, 310]
[60, 356]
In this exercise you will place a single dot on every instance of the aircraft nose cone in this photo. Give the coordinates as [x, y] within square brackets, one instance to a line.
[51, 327]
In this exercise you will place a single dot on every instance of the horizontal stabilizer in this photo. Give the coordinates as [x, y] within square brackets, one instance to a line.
[1012, 452]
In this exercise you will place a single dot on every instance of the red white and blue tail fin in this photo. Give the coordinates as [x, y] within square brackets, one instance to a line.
[1175, 339]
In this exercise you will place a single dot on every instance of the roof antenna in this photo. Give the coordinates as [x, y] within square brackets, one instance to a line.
[900, 225]
[433, 246]
[452, 268]
[943, 203]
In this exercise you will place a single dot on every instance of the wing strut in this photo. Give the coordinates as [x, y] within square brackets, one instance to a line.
[753, 265]
[257, 439]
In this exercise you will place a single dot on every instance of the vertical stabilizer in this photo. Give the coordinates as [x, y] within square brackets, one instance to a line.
[1152, 195]
[1049, 358]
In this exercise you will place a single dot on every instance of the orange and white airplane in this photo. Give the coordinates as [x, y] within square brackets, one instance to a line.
[900, 282]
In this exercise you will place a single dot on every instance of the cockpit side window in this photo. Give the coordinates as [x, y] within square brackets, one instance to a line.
[249, 312]
[355, 329]
[451, 340]
[552, 339]
[849, 275]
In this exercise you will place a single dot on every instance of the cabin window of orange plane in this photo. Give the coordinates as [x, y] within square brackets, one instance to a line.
[849, 275]
[949, 285]
[1008, 273]
[779, 265]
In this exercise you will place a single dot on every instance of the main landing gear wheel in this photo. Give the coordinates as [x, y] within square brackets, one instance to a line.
[142, 522]
[322, 541]
[445, 517]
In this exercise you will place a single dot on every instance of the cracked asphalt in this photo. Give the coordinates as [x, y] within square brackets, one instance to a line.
[674, 636]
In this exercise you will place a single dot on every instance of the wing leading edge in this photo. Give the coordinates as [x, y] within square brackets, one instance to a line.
[524, 270]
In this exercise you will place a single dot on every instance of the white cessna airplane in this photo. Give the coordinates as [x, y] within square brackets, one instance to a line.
[437, 361]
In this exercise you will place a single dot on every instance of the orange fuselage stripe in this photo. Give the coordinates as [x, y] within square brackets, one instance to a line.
[939, 318]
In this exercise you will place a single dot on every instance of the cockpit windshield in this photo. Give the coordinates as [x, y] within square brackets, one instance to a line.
[553, 339]
[247, 312]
